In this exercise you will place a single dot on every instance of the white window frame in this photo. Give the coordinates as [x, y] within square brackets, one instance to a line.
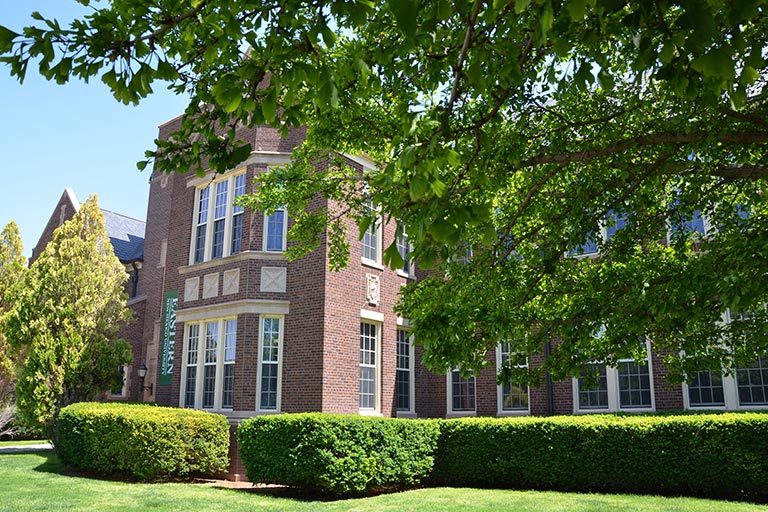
[708, 228]
[230, 212]
[200, 363]
[284, 241]
[730, 391]
[411, 411]
[612, 385]
[500, 410]
[377, 226]
[409, 266]
[451, 413]
[604, 238]
[259, 372]
[376, 409]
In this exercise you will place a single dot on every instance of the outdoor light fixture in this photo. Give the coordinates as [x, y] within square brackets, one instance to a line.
[142, 374]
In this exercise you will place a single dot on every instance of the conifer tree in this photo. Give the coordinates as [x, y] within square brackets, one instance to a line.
[66, 318]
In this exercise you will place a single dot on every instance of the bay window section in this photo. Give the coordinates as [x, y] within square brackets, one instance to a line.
[275, 231]
[208, 373]
[237, 216]
[218, 227]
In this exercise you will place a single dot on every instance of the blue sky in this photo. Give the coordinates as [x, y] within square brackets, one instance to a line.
[76, 135]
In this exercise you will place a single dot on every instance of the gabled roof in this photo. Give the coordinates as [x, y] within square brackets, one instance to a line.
[126, 235]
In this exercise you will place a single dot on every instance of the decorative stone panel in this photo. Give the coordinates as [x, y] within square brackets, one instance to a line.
[191, 289]
[372, 289]
[273, 279]
[231, 281]
[210, 285]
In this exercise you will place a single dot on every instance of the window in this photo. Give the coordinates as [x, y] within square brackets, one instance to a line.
[461, 394]
[626, 387]
[404, 249]
[371, 242]
[513, 397]
[746, 388]
[275, 231]
[369, 395]
[237, 216]
[218, 229]
[122, 389]
[608, 228]
[271, 340]
[706, 390]
[404, 377]
[209, 364]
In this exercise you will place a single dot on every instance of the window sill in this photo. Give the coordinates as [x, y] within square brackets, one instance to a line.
[639, 410]
[371, 263]
[405, 274]
[521, 412]
[460, 414]
[241, 256]
[369, 412]
[406, 414]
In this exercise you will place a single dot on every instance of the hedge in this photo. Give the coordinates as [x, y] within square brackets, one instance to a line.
[338, 454]
[713, 455]
[143, 441]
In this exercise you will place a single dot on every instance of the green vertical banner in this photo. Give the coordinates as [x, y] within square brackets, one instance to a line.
[169, 333]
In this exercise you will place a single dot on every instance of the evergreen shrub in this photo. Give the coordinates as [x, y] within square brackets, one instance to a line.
[143, 441]
[708, 455]
[342, 455]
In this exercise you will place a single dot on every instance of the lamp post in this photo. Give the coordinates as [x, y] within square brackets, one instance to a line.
[143, 373]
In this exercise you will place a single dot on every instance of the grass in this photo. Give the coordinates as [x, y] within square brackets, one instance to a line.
[36, 481]
[22, 443]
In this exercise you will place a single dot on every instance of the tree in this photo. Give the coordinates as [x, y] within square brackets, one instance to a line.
[520, 129]
[66, 316]
[13, 265]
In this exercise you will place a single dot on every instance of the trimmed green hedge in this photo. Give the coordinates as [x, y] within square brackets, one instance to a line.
[143, 441]
[339, 454]
[712, 455]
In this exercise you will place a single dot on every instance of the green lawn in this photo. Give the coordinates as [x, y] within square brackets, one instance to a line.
[21, 443]
[34, 481]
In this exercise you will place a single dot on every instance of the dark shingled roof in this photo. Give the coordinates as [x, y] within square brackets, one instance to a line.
[126, 235]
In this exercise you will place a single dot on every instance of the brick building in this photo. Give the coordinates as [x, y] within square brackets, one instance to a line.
[228, 324]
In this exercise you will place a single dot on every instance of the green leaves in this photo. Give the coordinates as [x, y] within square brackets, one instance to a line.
[406, 14]
[6, 39]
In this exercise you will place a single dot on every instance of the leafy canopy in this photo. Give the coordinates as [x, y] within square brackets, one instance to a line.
[65, 319]
[521, 129]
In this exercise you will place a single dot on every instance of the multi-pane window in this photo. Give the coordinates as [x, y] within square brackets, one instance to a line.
[208, 373]
[752, 383]
[628, 386]
[593, 388]
[230, 346]
[462, 393]
[237, 216]
[404, 249]
[269, 357]
[403, 379]
[275, 231]
[368, 384]
[706, 390]
[370, 242]
[218, 230]
[634, 385]
[513, 396]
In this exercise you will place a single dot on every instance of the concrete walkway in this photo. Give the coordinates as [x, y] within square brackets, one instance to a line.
[25, 448]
